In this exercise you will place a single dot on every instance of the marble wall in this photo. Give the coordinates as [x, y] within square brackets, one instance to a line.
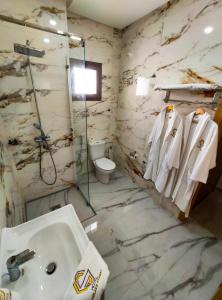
[17, 106]
[103, 45]
[11, 201]
[166, 47]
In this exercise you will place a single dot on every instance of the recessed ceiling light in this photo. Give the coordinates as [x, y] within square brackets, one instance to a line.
[52, 22]
[208, 29]
[46, 40]
[60, 32]
[73, 37]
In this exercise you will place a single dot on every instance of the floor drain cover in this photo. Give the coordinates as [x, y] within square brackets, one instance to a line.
[50, 269]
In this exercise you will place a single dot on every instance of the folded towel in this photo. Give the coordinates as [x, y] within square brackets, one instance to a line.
[90, 278]
[6, 294]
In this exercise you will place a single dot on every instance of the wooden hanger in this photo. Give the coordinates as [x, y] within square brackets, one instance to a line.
[199, 111]
[170, 108]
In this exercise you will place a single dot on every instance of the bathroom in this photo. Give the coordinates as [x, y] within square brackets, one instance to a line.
[83, 85]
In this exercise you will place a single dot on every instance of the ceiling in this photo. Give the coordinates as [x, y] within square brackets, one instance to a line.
[115, 13]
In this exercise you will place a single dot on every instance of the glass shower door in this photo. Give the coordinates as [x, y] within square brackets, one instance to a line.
[79, 117]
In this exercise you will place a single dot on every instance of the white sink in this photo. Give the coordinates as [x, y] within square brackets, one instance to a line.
[57, 237]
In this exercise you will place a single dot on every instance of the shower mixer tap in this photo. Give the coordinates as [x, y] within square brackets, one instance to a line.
[43, 138]
[13, 263]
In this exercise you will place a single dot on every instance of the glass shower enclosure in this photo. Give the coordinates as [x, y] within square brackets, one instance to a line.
[79, 117]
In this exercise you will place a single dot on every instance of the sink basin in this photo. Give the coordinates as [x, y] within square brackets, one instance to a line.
[59, 242]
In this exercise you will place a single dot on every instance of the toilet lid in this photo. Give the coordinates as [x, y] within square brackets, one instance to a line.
[105, 164]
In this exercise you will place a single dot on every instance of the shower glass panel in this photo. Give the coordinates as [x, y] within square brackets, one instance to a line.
[79, 117]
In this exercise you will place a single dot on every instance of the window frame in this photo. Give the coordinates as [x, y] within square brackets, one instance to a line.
[87, 65]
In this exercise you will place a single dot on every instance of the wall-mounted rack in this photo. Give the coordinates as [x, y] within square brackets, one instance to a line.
[195, 87]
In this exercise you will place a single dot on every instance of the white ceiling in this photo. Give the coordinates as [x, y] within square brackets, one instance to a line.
[115, 13]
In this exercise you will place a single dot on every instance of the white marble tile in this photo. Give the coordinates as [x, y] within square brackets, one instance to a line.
[103, 44]
[75, 198]
[12, 210]
[148, 249]
[170, 43]
[44, 205]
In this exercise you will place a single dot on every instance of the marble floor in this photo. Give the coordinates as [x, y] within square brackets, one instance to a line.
[150, 254]
[46, 204]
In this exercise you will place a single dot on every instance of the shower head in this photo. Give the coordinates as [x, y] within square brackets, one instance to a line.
[26, 50]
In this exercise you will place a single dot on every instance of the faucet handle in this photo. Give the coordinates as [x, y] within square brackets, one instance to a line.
[25, 256]
[20, 258]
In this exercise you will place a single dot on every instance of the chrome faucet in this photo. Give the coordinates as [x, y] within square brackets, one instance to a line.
[15, 261]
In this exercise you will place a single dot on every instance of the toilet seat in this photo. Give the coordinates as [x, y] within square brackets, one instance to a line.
[105, 164]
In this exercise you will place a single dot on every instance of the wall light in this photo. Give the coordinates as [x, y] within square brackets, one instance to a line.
[52, 22]
[143, 86]
[60, 32]
[208, 29]
[46, 40]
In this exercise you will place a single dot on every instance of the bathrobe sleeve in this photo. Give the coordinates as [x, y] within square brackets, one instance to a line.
[207, 157]
[154, 130]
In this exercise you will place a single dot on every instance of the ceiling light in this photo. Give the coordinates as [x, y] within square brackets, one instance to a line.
[46, 40]
[208, 29]
[73, 37]
[60, 32]
[52, 22]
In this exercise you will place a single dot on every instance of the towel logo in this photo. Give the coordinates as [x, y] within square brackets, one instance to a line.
[2, 295]
[201, 144]
[173, 133]
[84, 280]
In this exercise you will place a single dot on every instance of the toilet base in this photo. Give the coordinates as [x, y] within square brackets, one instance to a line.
[104, 178]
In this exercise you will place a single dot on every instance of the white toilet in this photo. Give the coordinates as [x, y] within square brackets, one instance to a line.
[104, 166]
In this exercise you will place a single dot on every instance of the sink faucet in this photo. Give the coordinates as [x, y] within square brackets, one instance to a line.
[15, 261]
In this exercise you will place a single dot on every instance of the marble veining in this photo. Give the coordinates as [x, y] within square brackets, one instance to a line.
[17, 106]
[103, 44]
[149, 259]
[167, 46]
[12, 210]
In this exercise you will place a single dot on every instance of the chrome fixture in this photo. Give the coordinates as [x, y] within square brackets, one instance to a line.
[50, 269]
[13, 263]
[27, 50]
[43, 139]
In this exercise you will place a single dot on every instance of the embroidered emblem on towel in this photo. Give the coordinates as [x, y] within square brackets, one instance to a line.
[173, 132]
[200, 144]
[85, 281]
[2, 295]
[5, 295]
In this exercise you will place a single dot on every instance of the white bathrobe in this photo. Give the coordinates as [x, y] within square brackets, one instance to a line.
[164, 150]
[199, 156]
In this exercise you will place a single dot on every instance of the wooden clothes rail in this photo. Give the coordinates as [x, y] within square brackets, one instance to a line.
[216, 89]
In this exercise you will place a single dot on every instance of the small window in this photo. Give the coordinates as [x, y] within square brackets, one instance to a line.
[86, 80]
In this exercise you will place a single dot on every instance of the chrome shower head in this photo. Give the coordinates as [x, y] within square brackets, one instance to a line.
[27, 50]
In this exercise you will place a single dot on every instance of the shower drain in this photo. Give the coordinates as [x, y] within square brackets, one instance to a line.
[50, 269]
